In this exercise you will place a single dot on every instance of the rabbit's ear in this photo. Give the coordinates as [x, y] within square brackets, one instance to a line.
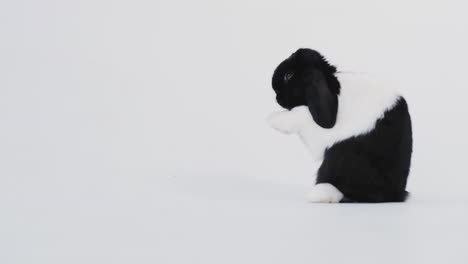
[322, 102]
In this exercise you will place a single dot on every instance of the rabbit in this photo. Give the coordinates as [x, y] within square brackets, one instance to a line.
[359, 128]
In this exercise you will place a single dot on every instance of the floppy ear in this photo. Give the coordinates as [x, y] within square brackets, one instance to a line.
[322, 102]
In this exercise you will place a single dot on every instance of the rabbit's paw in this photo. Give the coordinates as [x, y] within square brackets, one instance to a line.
[324, 193]
[283, 121]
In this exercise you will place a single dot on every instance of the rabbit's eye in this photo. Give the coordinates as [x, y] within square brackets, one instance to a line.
[288, 76]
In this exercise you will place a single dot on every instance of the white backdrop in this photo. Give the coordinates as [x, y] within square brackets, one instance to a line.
[134, 132]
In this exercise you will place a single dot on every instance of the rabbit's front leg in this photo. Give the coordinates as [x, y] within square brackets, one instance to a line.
[288, 122]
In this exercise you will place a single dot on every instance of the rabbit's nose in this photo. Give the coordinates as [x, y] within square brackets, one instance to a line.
[280, 100]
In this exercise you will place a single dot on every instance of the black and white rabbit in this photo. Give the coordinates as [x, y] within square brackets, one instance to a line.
[358, 127]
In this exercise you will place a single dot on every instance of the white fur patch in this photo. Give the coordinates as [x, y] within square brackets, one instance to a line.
[286, 123]
[361, 103]
[324, 193]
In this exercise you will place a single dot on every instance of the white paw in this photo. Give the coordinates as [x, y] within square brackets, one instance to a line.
[324, 193]
[282, 122]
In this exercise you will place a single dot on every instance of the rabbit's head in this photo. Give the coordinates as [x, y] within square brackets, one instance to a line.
[306, 78]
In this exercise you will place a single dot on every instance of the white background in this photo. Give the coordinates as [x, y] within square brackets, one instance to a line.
[134, 132]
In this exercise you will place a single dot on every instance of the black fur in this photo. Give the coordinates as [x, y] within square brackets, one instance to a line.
[373, 167]
[306, 78]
